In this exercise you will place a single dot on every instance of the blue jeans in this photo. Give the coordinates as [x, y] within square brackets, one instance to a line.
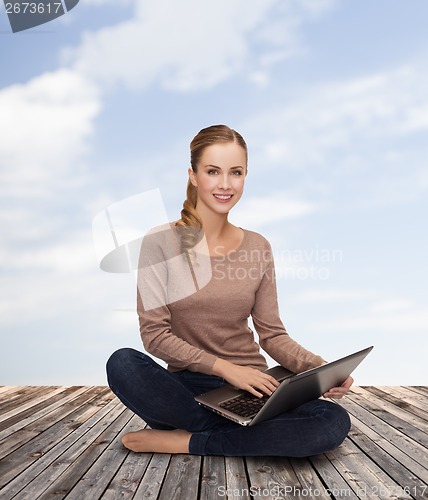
[165, 400]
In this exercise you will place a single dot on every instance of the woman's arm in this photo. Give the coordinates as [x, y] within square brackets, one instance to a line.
[274, 338]
[154, 290]
[159, 340]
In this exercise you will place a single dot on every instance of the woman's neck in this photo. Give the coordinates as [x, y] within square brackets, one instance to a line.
[220, 235]
[215, 226]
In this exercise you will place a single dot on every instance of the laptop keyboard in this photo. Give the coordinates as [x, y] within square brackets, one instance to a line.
[245, 405]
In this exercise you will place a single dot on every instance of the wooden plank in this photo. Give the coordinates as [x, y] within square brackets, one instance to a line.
[421, 389]
[125, 483]
[59, 479]
[312, 486]
[21, 400]
[401, 447]
[336, 486]
[388, 449]
[58, 442]
[37, 450]
[401, 473]
[6, 390]
[97, 478]
[10, 433]
[213, 479]
[151, 483]
[182, 480]
[406, 394]
[23, 391]
[41, 399]
[272, 477]
[362, 474]
[397, 416]
[26, 464]
[403, 442]
[20, 459]
[237, 484]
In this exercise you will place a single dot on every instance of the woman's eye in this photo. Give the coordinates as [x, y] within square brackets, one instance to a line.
[234, 172]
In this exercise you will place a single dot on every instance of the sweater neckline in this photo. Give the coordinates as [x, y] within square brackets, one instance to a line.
[226, 255]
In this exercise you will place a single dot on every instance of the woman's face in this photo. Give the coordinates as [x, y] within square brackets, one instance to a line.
[220, 176]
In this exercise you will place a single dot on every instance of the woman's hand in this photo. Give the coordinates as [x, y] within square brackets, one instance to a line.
[339, 392]
[244, 377]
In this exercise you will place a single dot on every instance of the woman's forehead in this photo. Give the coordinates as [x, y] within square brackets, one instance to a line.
[228, 154]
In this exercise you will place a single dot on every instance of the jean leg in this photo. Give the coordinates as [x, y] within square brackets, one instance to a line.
[310, 429]
[163, 399]
[198, 383]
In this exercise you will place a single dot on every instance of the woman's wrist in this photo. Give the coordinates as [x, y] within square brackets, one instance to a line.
[220, 367]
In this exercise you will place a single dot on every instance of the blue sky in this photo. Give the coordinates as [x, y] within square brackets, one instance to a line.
[101, 104]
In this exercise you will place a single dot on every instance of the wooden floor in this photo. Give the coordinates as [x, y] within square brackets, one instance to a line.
[64, 442]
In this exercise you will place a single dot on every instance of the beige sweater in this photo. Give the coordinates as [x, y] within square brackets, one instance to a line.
[192, 313]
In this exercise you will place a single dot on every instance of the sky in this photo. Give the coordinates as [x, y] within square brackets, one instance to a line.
[101, 104]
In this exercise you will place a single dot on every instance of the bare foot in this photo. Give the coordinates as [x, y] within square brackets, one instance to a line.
[153, 440]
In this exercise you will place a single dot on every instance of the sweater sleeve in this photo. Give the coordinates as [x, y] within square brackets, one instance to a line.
[273, 336]
[155, 317]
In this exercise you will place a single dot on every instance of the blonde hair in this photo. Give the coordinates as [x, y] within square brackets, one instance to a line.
[190, 223]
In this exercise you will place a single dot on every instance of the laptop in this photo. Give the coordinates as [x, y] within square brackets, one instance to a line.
[294, 389]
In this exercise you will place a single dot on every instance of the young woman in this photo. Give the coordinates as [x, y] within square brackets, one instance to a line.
[200, 279]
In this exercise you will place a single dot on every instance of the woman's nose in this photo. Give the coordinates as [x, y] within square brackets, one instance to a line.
[224, 182]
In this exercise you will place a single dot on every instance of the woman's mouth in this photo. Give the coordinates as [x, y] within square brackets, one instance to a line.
[223, 198]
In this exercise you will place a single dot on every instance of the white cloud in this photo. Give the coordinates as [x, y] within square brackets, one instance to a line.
[164, 41]
[362, 135]
[56, 286]
[183, 46]
[97, 3]
[259, 78]
[383, 320]
[324, 295]
[72, 253]
[260, 210]
[191, 45]
[375, 310]
[283, 25]
[398, 322]
[398, 305]
[328, 118]
[317, 7]
[45, 124]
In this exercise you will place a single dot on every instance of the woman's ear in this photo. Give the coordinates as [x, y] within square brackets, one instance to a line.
[192, 177]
